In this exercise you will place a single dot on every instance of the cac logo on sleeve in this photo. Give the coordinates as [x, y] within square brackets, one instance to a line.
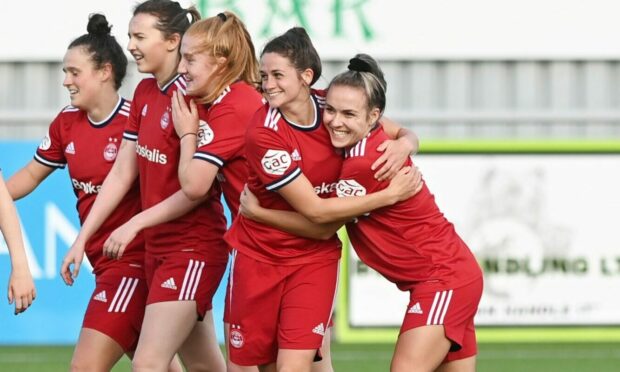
[349, 188]
[46, 142]
[276, 162]
[205, 133]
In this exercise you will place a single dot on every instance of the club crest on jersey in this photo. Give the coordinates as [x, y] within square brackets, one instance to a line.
[349, 188]
[165, 120]
[236, 337]
[205, 133]
[145, 109]
[276, 162]
[46, 142]
[111, 149]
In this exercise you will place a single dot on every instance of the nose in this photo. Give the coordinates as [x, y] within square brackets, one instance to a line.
[267, 83]
[182, 68]
[67, 80]
[131, 45]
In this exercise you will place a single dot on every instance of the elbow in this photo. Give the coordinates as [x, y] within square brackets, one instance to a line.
[324, 235]
[317, 217]
[194, 191]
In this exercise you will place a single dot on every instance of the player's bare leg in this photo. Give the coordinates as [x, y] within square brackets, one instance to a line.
[201, 351]
[95, 351]
[175, 365]
[325, 365]
[420, 349]
[165, 327]
[295, 360]
[461, 365]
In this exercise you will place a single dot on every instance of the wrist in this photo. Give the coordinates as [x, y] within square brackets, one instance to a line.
[188, 134]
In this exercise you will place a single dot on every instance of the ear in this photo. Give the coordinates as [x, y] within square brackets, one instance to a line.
[107, 72]
[173, 42]
[221, 62]
[307, 75]
[374, 115]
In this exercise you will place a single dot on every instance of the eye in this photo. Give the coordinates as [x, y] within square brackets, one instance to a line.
[329, 110]
[263, 77]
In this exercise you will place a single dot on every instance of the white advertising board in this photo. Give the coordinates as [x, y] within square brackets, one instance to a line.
[543, 227]
[387, 29]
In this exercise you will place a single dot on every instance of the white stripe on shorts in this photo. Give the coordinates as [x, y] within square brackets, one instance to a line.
[191, 280]
[123, 295]
[441, 302]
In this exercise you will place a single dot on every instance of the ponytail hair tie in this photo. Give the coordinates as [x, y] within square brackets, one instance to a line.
[222, 16]
[359, 65]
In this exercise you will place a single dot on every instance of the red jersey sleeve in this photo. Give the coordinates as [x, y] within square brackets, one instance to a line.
[222, 137]
[270, 157]
[51, 149]
[138, 109]
[357, 178]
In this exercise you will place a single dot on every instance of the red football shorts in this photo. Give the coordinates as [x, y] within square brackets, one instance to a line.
[278, 307]
[186, 276]
[454, 309]
[116, 307]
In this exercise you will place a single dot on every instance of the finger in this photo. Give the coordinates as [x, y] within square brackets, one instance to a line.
[18, 305]
[383, 146]
[76, 269]
[382, 159]
[193, 108]
[10, 295]
[64, 272]
[121, 250]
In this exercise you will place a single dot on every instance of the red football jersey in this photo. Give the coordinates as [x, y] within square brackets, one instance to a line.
[278, 151]
[89, 149]
[158, 148]
[221, 137]
[410, 243]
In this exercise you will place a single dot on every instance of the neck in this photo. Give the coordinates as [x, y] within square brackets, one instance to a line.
[301, 111]
[106, 103]
[167, 72]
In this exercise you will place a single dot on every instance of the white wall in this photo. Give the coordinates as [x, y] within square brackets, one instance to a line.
[401, 29]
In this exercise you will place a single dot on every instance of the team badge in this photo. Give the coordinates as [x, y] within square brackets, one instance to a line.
[46, 142]
[236, 337]
[276, 162]
[111, 149]
[349, 188]
[205, 133]
[165, 120]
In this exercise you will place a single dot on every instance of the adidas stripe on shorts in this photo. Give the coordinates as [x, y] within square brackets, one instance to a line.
[454, 309]
[116, 307]
[186, 276]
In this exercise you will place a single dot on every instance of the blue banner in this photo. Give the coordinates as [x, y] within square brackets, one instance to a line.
[50, 224]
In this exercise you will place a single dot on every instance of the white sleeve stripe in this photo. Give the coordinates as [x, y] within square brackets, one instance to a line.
[284, 181]
[44, 161]
[130, 136]
[210, 158]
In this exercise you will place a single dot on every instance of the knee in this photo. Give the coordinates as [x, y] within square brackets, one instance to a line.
[287, 367]
[141, 363]
[405, 365]
[86, 365]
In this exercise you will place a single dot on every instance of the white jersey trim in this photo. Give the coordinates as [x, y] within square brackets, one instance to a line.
[44, 161]
[284, 181]
[210, 158]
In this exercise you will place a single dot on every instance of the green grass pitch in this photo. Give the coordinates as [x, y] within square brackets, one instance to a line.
[503, 357]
